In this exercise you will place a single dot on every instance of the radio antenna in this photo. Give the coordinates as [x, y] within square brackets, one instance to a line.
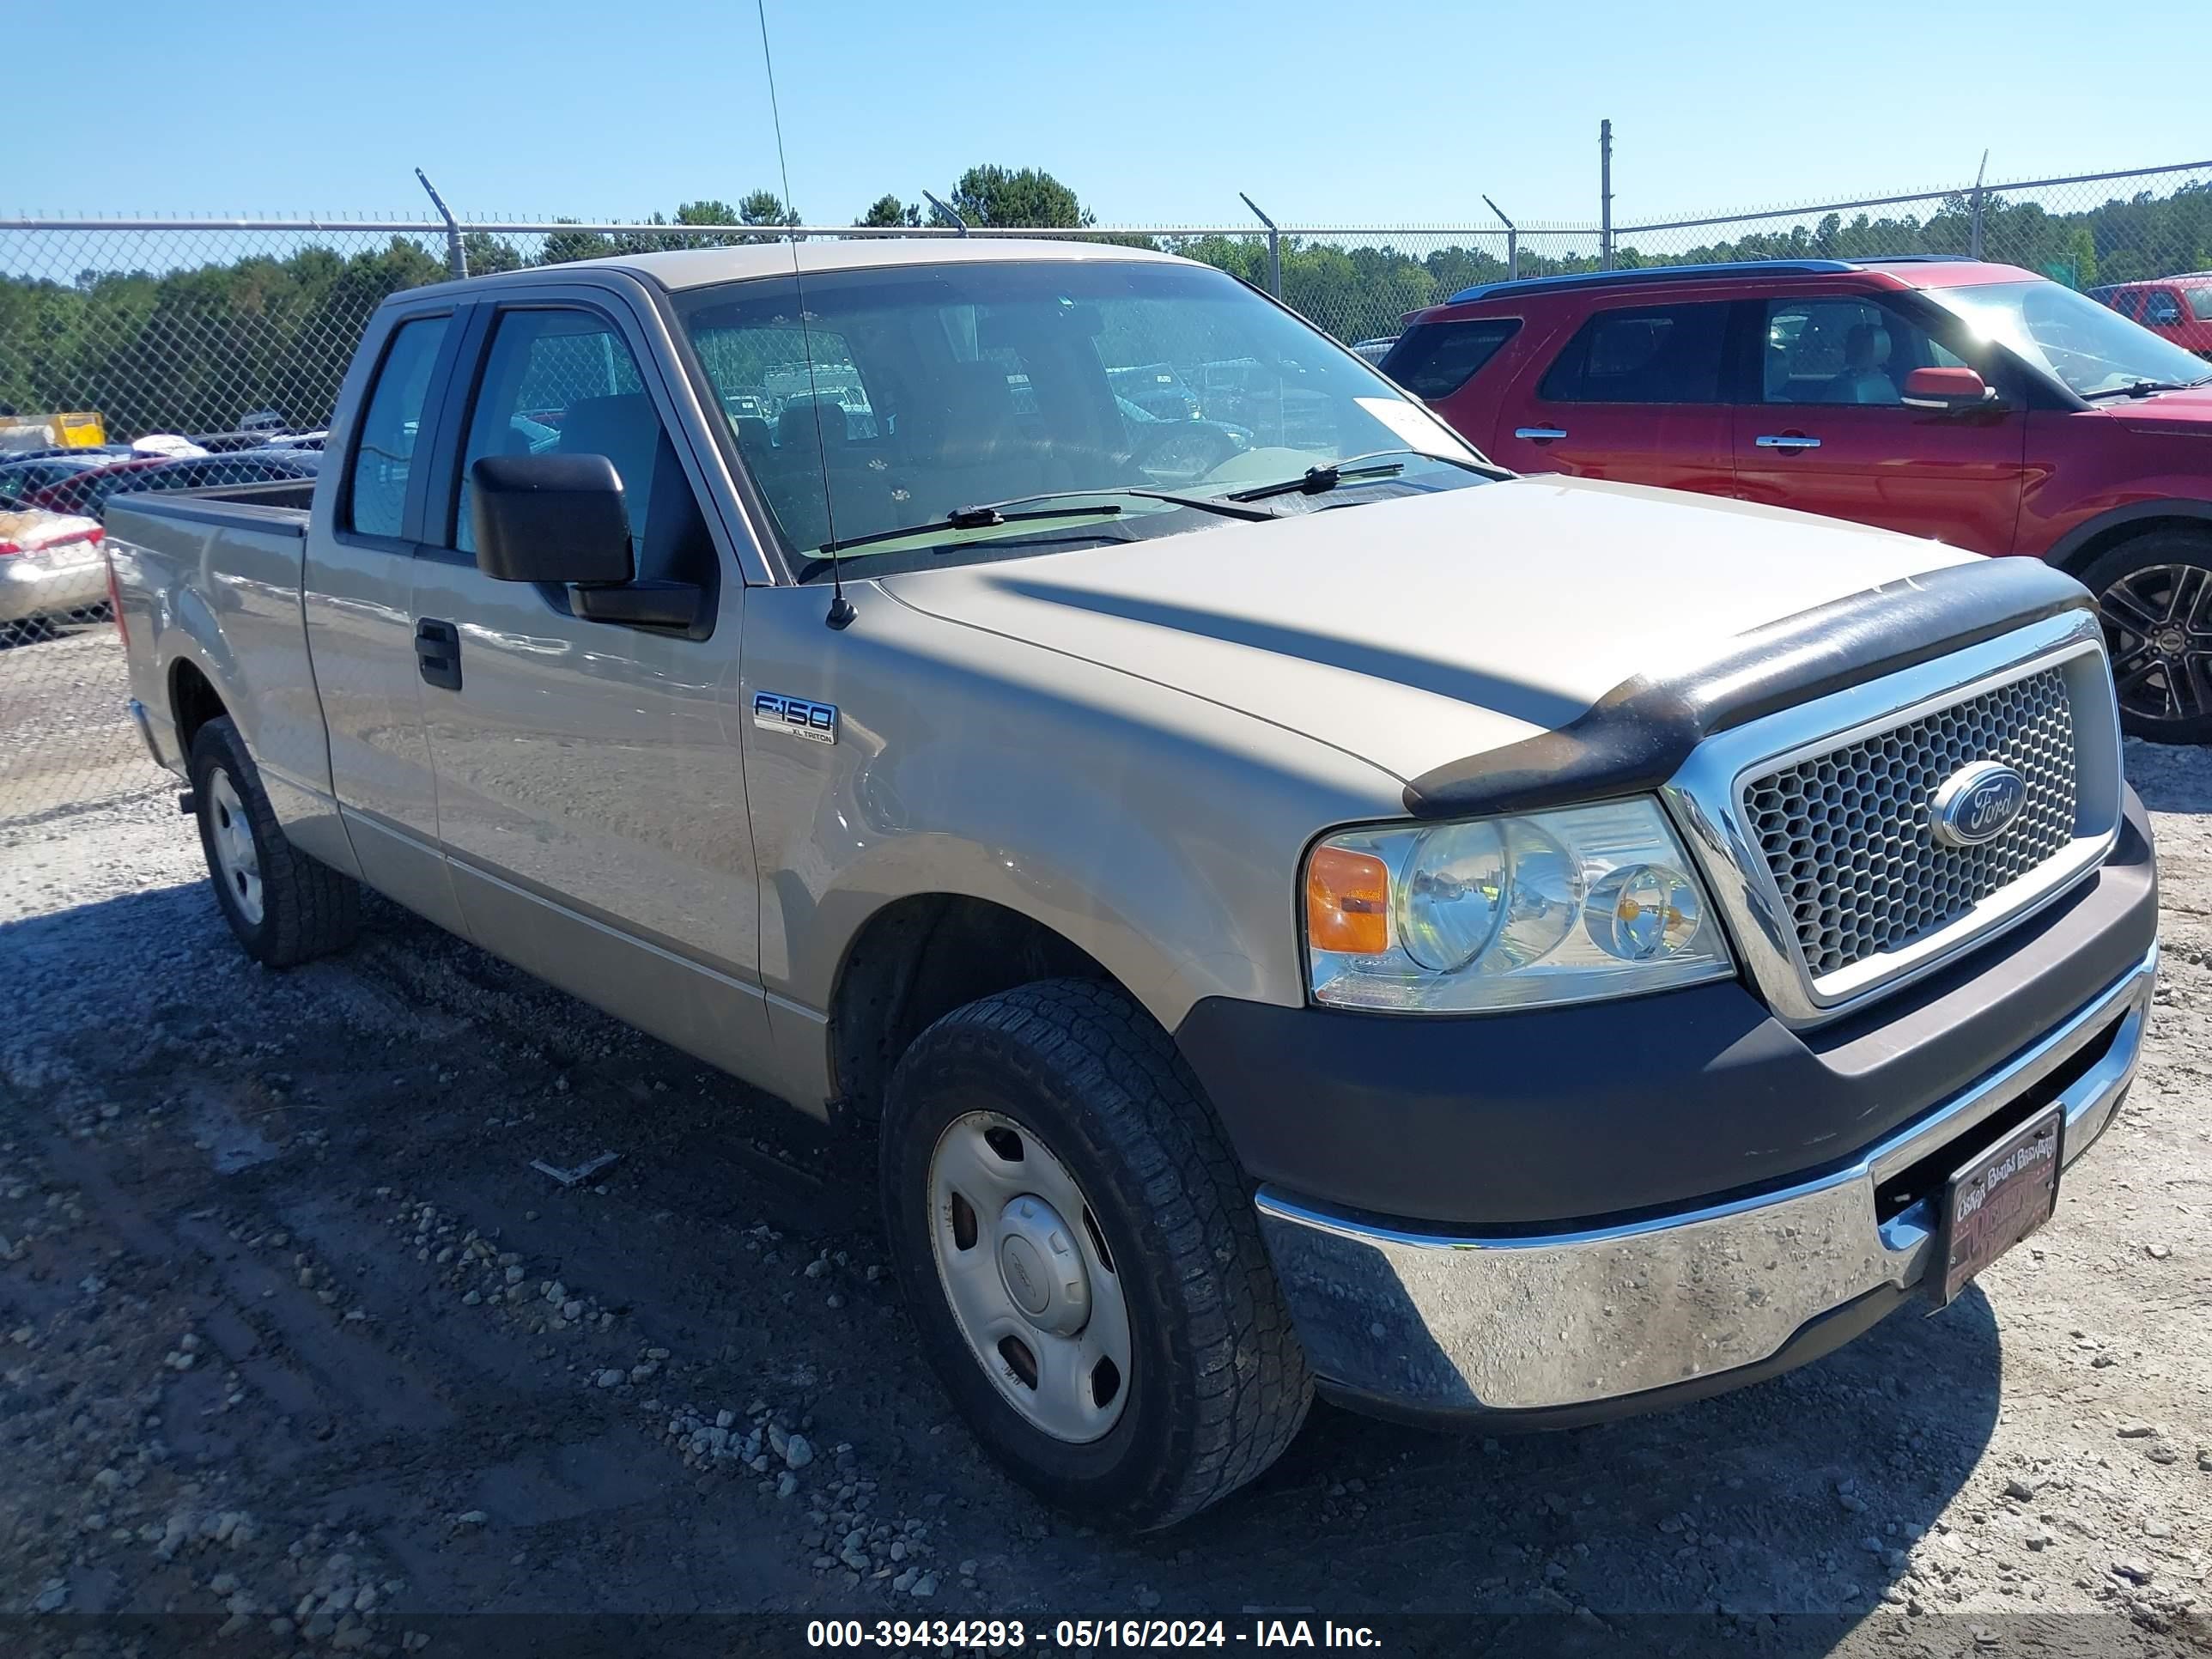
[840, 608]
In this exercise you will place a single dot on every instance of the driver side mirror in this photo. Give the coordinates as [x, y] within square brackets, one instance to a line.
[549, 519]
[1949, 390]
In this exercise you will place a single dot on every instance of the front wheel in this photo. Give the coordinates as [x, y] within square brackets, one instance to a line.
[2154, 597]
[1080, 1256]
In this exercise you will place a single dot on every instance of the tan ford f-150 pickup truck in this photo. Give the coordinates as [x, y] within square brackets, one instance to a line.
[1301, 908]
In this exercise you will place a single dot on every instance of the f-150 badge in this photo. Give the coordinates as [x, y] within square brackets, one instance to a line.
[815, 721]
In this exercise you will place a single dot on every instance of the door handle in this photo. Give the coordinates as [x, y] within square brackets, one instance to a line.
[1540, 435]
[1788, 440]
[438, 652]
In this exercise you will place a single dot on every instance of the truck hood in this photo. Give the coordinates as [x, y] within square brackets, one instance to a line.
[1422, 629]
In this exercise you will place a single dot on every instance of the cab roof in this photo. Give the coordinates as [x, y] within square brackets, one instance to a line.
[687, 268]
[1903, 270]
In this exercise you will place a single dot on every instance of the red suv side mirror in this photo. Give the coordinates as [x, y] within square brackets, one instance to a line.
[1954, 390]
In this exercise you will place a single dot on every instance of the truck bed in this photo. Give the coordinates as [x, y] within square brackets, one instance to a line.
[207, 583]
[280, 504]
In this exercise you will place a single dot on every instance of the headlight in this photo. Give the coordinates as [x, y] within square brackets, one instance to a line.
[1546, 906]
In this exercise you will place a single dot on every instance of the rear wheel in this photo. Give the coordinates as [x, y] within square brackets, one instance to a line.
[1080, 1254]
[283, 906]
[2154, 596]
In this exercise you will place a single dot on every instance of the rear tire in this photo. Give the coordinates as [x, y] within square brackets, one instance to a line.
[2154, 597]
[283, 907]
[1073, 1076]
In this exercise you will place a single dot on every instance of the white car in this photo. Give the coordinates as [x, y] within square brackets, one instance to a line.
[49, 564]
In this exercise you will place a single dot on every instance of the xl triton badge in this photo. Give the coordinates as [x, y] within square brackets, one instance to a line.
[815, 721]
[1976, 803]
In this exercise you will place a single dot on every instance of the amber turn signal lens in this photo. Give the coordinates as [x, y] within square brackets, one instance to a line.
[1347, 903]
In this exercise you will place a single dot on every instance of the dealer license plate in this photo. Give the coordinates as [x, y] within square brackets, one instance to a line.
[1999, 1198]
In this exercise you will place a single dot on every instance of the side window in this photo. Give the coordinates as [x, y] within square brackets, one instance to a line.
[565, 382]
[386, 447]
[1646, 354]
[1842, 351]
[1434, 360]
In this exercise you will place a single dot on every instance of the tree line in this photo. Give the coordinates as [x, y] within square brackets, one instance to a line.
[195, 349]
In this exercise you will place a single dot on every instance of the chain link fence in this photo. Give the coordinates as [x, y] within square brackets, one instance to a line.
[2087, 232]
[229, 332]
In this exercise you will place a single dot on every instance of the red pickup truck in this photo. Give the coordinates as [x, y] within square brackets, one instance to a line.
[2176, 308]
[1978, 403]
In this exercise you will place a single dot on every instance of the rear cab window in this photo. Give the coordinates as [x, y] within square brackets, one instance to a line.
[1643, 354]
[385, 450]
[1434, 360]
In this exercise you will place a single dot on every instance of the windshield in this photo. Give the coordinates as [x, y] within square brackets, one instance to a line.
[937, 388]
[2092, 348]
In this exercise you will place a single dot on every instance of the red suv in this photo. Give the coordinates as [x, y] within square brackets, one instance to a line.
[1980, 405]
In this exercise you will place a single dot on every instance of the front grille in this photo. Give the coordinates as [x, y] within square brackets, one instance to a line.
[1848, 837]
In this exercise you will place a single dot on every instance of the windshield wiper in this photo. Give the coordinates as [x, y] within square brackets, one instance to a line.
[1375, 464]
[985, 514]
[2141, 389]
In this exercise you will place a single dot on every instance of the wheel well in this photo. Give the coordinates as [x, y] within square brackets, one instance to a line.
[193, 701]
[918, 959]
[2127, 530]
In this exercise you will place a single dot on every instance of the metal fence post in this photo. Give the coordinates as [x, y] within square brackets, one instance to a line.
[1974, 228]
[1605, 195]
[961, 223]
[1512, 241]
[457, 256]
[1274, 247]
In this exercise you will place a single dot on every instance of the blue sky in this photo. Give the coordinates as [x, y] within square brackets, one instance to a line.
[1156, 111]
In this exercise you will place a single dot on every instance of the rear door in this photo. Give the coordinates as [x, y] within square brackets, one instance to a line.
[1637, 394]
[591, 791]
[356, 598]
[1826, 429]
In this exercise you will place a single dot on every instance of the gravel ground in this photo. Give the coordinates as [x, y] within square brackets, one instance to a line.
[295, 1341]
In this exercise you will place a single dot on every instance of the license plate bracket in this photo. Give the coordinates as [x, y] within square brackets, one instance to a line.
[1995, 1199]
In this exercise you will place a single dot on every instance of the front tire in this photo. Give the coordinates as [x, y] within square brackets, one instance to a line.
[2154, 597]
[283, 907]
[1079, 1248]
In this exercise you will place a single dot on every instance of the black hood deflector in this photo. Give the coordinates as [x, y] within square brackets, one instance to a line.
[1637, 736]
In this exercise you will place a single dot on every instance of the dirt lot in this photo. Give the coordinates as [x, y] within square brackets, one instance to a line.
[297, 1348]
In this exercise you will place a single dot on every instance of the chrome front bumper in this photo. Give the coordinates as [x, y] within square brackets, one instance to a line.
[1448, 1324]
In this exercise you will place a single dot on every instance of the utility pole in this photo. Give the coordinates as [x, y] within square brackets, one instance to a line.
[1605, 195]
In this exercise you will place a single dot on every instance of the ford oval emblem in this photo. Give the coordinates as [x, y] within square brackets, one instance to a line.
[1976, 803]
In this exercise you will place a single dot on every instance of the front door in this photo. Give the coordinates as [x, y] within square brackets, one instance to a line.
[1826, 430]
[591, 791]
